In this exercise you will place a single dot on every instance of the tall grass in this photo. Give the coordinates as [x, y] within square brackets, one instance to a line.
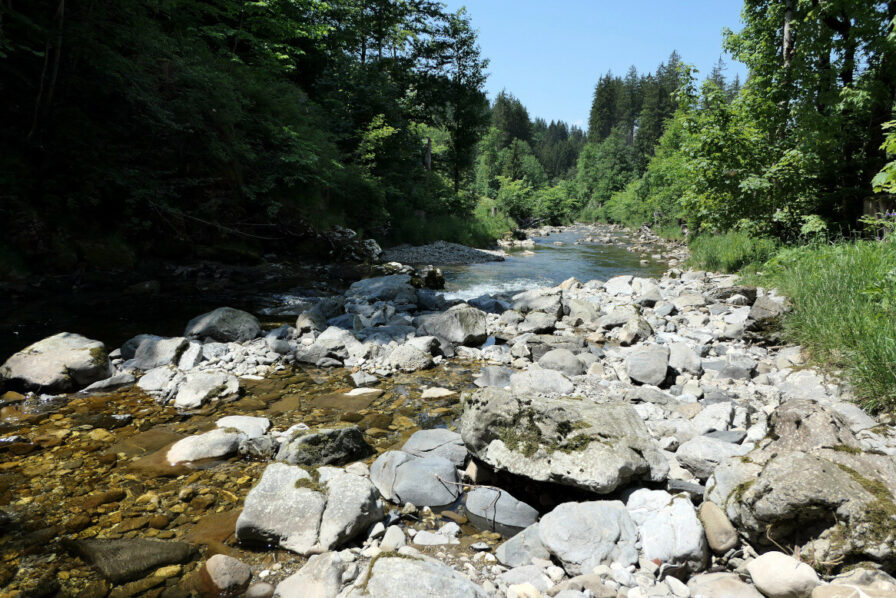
[844, 299]
[730, 252]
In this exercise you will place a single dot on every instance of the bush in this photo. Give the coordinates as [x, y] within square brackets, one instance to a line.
[844, 299]
[731, 251]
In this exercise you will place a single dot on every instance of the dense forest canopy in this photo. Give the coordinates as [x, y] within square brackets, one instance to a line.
[228, 127]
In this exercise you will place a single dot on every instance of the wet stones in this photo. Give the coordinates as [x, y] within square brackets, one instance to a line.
[214, 444]
[125, 560]
[325, 447]
[584, 535]
[223, 576]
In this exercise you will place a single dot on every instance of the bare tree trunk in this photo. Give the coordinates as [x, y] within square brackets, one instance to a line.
[427, 157]
[787, 41]
[39, 100]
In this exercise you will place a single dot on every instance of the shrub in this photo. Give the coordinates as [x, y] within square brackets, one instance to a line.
[731, 251]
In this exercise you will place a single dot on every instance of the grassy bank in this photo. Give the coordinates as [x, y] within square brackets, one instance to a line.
[844, 301]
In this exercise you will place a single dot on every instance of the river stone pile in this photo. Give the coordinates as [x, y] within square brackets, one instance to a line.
[634, 437]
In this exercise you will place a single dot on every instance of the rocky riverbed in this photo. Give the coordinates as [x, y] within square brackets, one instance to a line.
[631, 437]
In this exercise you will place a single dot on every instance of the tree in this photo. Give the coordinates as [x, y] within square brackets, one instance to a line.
[511, 118]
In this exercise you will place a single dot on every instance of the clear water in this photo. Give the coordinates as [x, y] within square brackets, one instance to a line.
[550, 265]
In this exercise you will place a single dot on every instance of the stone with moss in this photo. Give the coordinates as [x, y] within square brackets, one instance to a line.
[595, 447]
[60, 363]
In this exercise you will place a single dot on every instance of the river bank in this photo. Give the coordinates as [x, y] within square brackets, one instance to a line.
[399, 439]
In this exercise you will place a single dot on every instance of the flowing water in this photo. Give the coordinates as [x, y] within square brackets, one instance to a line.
[553, 259]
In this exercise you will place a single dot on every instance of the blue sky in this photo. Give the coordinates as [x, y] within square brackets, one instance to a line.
[550, 54]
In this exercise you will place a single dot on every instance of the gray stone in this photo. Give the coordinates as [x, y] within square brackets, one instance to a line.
[596, 447]
[619, 285]
[689, 300]
[320, 577]
[222, 575]
[423, 481]
[192, 356]
[669, 529]
[199, 387]
[125, 560]
[562, 360]
[684, 359]
[584, 535]
[637, 329]
[648, 365]
[393, 539]
[493, 509]
[353, 505]
[700, 455]
[129, 347]
[210, 445]
[440, 442]
[765, 311]
[224, 324]
[408, 358]
[252, 427]
[460, 325]
[582, 313]
[396, 288]
[541, 381]
[157, 380]
[720, 533]
[154, 352]
[62, 362]
[532, 575]
[522, 548]
[325, 447]
[413, 577]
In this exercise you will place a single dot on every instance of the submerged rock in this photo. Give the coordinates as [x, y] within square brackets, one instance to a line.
[325, 447]
[125, 560]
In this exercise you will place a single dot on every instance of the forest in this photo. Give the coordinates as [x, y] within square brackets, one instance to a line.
[227, 128]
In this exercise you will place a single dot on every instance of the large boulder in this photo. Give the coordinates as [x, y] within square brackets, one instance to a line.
[305, 512]
[584, 535]
[548, 382]
[595, 447]
[440, 442]
[424, 481]
[546, 300]
[522, 548]
[833, 500]
[60, 363]
[562, 360]
[460, 325]
[155, 352]
[211, 445]
[224, 324]
[779, 575]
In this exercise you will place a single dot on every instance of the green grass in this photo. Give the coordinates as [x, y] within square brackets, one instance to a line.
[730, 252]
[844, 299]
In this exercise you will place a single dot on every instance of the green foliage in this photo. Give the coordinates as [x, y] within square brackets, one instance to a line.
[843, 297]
[885, 180]
[731, 251]
[231, 121]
